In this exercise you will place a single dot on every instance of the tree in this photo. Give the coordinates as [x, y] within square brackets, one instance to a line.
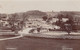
[44, 18]
[49, 19]
[13, 22]
[60, 23]
[65, 26]
[24, 20]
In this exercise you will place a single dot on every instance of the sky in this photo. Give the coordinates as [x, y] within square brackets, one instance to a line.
[13, 6]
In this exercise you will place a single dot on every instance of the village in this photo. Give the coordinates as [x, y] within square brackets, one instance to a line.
[39, 21]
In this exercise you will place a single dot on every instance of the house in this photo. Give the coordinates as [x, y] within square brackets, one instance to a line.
[4, 20]
[76, 20]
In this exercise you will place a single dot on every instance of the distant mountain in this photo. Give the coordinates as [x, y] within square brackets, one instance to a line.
[36, 12]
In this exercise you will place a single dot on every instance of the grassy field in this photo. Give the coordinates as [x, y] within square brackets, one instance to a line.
[34, 43]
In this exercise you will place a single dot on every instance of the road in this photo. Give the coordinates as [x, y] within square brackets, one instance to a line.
[31, 43]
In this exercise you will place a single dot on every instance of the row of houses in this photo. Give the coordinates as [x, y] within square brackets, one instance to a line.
[3, 20]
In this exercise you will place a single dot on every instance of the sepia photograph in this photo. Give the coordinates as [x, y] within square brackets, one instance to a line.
[39, 25]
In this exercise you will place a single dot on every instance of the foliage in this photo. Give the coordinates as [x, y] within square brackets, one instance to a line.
[65, 26]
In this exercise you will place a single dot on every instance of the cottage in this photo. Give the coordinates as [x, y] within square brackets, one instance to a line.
[76, 20]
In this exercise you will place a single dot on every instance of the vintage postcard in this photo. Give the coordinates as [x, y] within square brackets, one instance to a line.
[39, 25]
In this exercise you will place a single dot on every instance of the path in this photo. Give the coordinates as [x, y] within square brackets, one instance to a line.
[26, 31]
